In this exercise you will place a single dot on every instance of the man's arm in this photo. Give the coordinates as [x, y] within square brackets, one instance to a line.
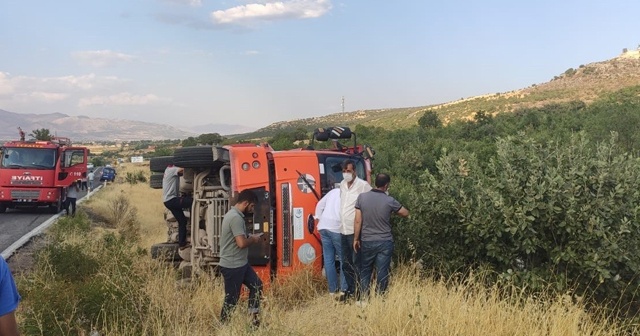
[357, 226]
[320, 207]
[403, 212]
[244, 242]
[8, 325]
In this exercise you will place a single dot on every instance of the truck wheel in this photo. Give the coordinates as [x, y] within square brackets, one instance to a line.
[198, 156]
[3, 208]
[165, 252]
[160, 163]
[56, 208]
[155, 181]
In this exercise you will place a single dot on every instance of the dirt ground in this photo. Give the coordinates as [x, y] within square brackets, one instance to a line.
[22, 260]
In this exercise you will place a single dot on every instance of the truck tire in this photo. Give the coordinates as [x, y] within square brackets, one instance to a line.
[165, 252]
[155, 181]
[195, 157]
[160, 163]
[57, 207]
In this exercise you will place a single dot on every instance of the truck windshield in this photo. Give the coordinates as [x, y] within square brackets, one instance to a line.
[333, 170]
[32, 158]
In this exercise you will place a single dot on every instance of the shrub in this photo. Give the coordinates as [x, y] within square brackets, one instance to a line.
[123, 215]
[135, 177]
[562, 214]
[78, 287]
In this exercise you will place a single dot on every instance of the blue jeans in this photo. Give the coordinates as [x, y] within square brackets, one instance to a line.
[332, 247]
[234, 278]
[350, 264]
[378, 254]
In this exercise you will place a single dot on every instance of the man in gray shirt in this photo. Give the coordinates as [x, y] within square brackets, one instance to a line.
[372, 234]
[174, 202]
[234, 257]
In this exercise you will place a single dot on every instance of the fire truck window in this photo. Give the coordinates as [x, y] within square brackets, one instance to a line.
[75, 157]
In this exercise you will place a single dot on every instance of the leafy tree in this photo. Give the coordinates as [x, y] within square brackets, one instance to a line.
[42, 134]
[430, 120]
[98, 161]
[190, 141]
[162, 151]
[210, 139]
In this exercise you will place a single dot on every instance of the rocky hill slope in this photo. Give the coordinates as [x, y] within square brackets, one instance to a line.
[585, 82]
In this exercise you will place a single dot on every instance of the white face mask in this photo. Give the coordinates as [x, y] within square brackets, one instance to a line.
[347, 177]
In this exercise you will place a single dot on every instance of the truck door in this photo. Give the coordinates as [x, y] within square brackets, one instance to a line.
[73, 165]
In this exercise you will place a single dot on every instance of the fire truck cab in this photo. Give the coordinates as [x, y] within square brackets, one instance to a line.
[37, 173]
[288, 184]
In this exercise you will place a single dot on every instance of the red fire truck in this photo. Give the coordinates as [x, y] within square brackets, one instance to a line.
[37, 173]
[288, 185]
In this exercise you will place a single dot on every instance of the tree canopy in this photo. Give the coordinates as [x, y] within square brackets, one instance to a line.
[42, 134]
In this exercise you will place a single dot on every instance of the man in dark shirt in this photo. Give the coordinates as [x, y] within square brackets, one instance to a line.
[372, 234]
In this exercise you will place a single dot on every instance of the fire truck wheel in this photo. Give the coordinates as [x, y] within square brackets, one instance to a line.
[155, 181]
[160, 163]
[194, 157]
[3, 208]
[165, 252]
[56, 208]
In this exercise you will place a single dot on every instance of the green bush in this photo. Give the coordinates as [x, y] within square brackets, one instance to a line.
[559, 214]
[135, 177]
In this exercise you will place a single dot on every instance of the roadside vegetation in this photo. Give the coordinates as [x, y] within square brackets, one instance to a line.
[96, 275]
[522, 223]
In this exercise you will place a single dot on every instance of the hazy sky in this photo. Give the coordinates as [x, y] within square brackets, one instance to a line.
[188, 62]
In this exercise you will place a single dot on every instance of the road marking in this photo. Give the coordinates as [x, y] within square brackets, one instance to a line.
[24, 239]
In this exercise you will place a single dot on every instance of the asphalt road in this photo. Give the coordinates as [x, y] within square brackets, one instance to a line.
[15, 223]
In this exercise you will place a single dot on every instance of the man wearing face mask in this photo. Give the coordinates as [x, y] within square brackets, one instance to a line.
[372, 234]
[350, 188]
[234, 257]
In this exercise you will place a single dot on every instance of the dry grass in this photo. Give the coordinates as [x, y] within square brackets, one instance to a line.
[147, 201]
[414, 305]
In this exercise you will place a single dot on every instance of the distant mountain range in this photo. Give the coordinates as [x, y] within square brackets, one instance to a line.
[82, 128]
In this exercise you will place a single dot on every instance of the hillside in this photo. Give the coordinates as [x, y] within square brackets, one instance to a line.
[586, 83]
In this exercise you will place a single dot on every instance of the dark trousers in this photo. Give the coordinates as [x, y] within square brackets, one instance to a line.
[70, 202]
[234, 278]
[83, 185]
[378, 254]
[350, 265]
[176, 206]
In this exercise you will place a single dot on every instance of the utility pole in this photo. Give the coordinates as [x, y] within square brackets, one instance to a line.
[342, 104]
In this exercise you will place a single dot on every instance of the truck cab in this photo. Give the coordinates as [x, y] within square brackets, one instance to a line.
[37, 173]
[288, 184]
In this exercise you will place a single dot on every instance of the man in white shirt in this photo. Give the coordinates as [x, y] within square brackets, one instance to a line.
[90, 178]
[328, 224]
[350, 188]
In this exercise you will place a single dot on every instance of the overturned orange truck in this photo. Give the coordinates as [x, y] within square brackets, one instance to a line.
[288, 185]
